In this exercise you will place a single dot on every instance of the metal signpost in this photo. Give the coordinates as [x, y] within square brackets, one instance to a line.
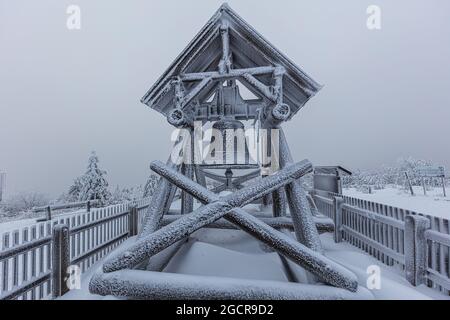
[432, 172]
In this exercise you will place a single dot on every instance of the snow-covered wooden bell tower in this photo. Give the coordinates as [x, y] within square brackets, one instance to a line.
[206, 85]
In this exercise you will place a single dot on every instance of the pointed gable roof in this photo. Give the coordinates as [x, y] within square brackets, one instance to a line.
[248, 48]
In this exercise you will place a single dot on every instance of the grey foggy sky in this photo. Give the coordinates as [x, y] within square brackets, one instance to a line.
[64, 93]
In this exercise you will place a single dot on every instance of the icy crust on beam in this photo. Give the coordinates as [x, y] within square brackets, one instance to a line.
[139, 284]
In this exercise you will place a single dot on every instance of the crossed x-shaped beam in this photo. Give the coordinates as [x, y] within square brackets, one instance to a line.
[229, 207]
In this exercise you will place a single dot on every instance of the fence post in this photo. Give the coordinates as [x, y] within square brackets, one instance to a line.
[88, 206]
[49, 213]
[133, 221]
[337, 218]
[60, 259]
[415, 248]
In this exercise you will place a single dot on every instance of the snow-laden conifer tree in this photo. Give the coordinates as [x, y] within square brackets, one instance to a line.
[75, 189]
[95, 185]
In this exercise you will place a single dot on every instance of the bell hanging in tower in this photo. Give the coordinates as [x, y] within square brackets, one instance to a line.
[233, 150]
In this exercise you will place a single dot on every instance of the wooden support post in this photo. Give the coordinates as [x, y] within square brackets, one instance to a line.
[409, 183]
[159, 206]
[88, 206]
[187, 202]
[423, 186]
[299, 208]
[337, 218]
[60, 260]
[49, 213]
[200, 176]
[312, 204]
[415, 248]
[443, 186]
[225, 63]
[187, 169]
[197, 140]
[229, 177]
[279, 203]
[161, 200]
[261, 87]
[133, 221]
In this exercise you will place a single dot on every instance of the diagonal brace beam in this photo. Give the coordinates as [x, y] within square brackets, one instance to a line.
[261, 87]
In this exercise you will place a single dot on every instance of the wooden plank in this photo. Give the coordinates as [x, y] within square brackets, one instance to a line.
[442, 249]
[375, 216]
[381, 238]
[25, 261]
[391, 232]
[15, 259]
[434, 252]
[438, 279]
[33, 260]
[398, 257]
[438, 237]
[5, 263]
[26, 286]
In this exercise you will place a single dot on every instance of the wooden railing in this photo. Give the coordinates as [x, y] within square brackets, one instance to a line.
[32, 258]
[419, 244]
[49, 209]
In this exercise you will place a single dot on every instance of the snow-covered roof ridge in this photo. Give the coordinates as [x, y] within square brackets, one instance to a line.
[248, 48]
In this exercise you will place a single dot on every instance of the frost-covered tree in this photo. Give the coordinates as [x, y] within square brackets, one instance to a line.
[95, 185]
[75, 190]
[411, 166]
[126, 194]
[116, 196]
[24, 201]
[387, 175]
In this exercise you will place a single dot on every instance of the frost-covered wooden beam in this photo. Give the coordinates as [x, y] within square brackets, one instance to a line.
[278, 86]
[314, 262]
[138, 284]
[187, 169]
[261, 87]
[224, 224]
[247, 177]
[161, 200]
[234, 73]
[225, 62]
[299, 207]
[323, 225]
[158, 207]
[195, 91]
[279, 204]
[215, 176]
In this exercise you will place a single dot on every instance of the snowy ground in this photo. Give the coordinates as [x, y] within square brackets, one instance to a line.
[433, 204]
[232, 253]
